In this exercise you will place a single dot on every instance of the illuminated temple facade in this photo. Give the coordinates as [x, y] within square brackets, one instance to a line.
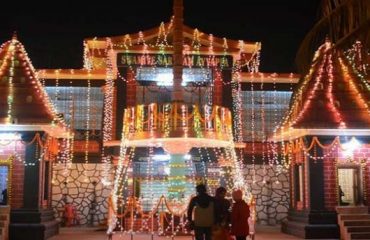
[137, 68]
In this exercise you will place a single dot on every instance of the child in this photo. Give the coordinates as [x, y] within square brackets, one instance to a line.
[69, 214]
[239, 216]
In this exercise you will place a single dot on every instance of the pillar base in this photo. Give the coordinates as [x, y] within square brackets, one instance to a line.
[311, 225]
[32, 224]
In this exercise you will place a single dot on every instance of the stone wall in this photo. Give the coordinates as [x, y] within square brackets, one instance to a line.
[271, 190]
[79, 190]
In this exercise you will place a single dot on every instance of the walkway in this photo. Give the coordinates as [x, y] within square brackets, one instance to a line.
[264, 233]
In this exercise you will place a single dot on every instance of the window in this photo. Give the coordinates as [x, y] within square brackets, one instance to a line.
[71, 102]
[164, 76]
[274, 107]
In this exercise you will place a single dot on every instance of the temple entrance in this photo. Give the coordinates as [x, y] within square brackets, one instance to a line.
[4, 172]
[349, 185]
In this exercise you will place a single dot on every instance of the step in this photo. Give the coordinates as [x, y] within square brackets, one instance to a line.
[364, 235]
[352, 210]
[356, 223]
[354, 216]
[358, 229]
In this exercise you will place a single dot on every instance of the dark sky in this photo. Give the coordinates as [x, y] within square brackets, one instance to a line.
[53, 34]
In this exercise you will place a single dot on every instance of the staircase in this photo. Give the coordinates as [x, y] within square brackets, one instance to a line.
[354, 222]
[4, 222]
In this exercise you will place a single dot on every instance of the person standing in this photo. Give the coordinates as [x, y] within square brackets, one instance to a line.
[222, 208]
[221, 230]
[239, 216]
[201, 213]
[5, 197]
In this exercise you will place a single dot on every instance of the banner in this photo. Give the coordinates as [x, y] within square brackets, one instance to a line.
[166, 60]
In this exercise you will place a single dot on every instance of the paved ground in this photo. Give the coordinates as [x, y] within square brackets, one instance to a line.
[263, 233]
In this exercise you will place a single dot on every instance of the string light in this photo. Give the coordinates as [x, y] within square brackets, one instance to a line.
[108, 110]
[17, 55]
[10, 82]
[87, 132]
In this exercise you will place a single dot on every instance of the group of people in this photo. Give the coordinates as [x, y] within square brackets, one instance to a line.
[215, 217]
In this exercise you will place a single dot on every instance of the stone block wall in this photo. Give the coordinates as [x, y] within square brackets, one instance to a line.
[79, 191]
[271, 190]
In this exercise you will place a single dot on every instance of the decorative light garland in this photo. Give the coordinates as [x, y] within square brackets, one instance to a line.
[87, 132]
[10, 81]
[108, 110]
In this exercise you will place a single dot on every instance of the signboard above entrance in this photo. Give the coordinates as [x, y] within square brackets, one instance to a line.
[166, 60]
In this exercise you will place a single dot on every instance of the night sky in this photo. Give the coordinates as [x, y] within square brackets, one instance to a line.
[53, 34]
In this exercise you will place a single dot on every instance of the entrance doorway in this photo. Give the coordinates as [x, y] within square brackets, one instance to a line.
[349, 185]
[4, 175]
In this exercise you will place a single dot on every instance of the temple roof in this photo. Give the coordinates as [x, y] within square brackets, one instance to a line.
[72, 74]
[162, 36]
[333, 95]
[159, 40]
[23, 100]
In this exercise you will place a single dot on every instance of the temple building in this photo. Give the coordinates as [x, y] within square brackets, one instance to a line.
[30, 129]
[326, 130]
[137, 71]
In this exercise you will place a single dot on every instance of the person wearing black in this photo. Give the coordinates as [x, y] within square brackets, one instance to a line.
[5, 197]
[341, 194]
[221, 230]
[201, 213]
[222, 208]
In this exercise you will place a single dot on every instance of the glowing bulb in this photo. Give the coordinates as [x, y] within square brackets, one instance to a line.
[350, 147]
[9, 136]
[105, 182]
[167, 170]
[161, 157]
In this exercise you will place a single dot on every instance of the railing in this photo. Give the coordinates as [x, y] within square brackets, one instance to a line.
[174, 117]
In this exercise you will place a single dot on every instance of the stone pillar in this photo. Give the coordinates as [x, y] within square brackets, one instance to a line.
[31, 221]
[32, 175]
